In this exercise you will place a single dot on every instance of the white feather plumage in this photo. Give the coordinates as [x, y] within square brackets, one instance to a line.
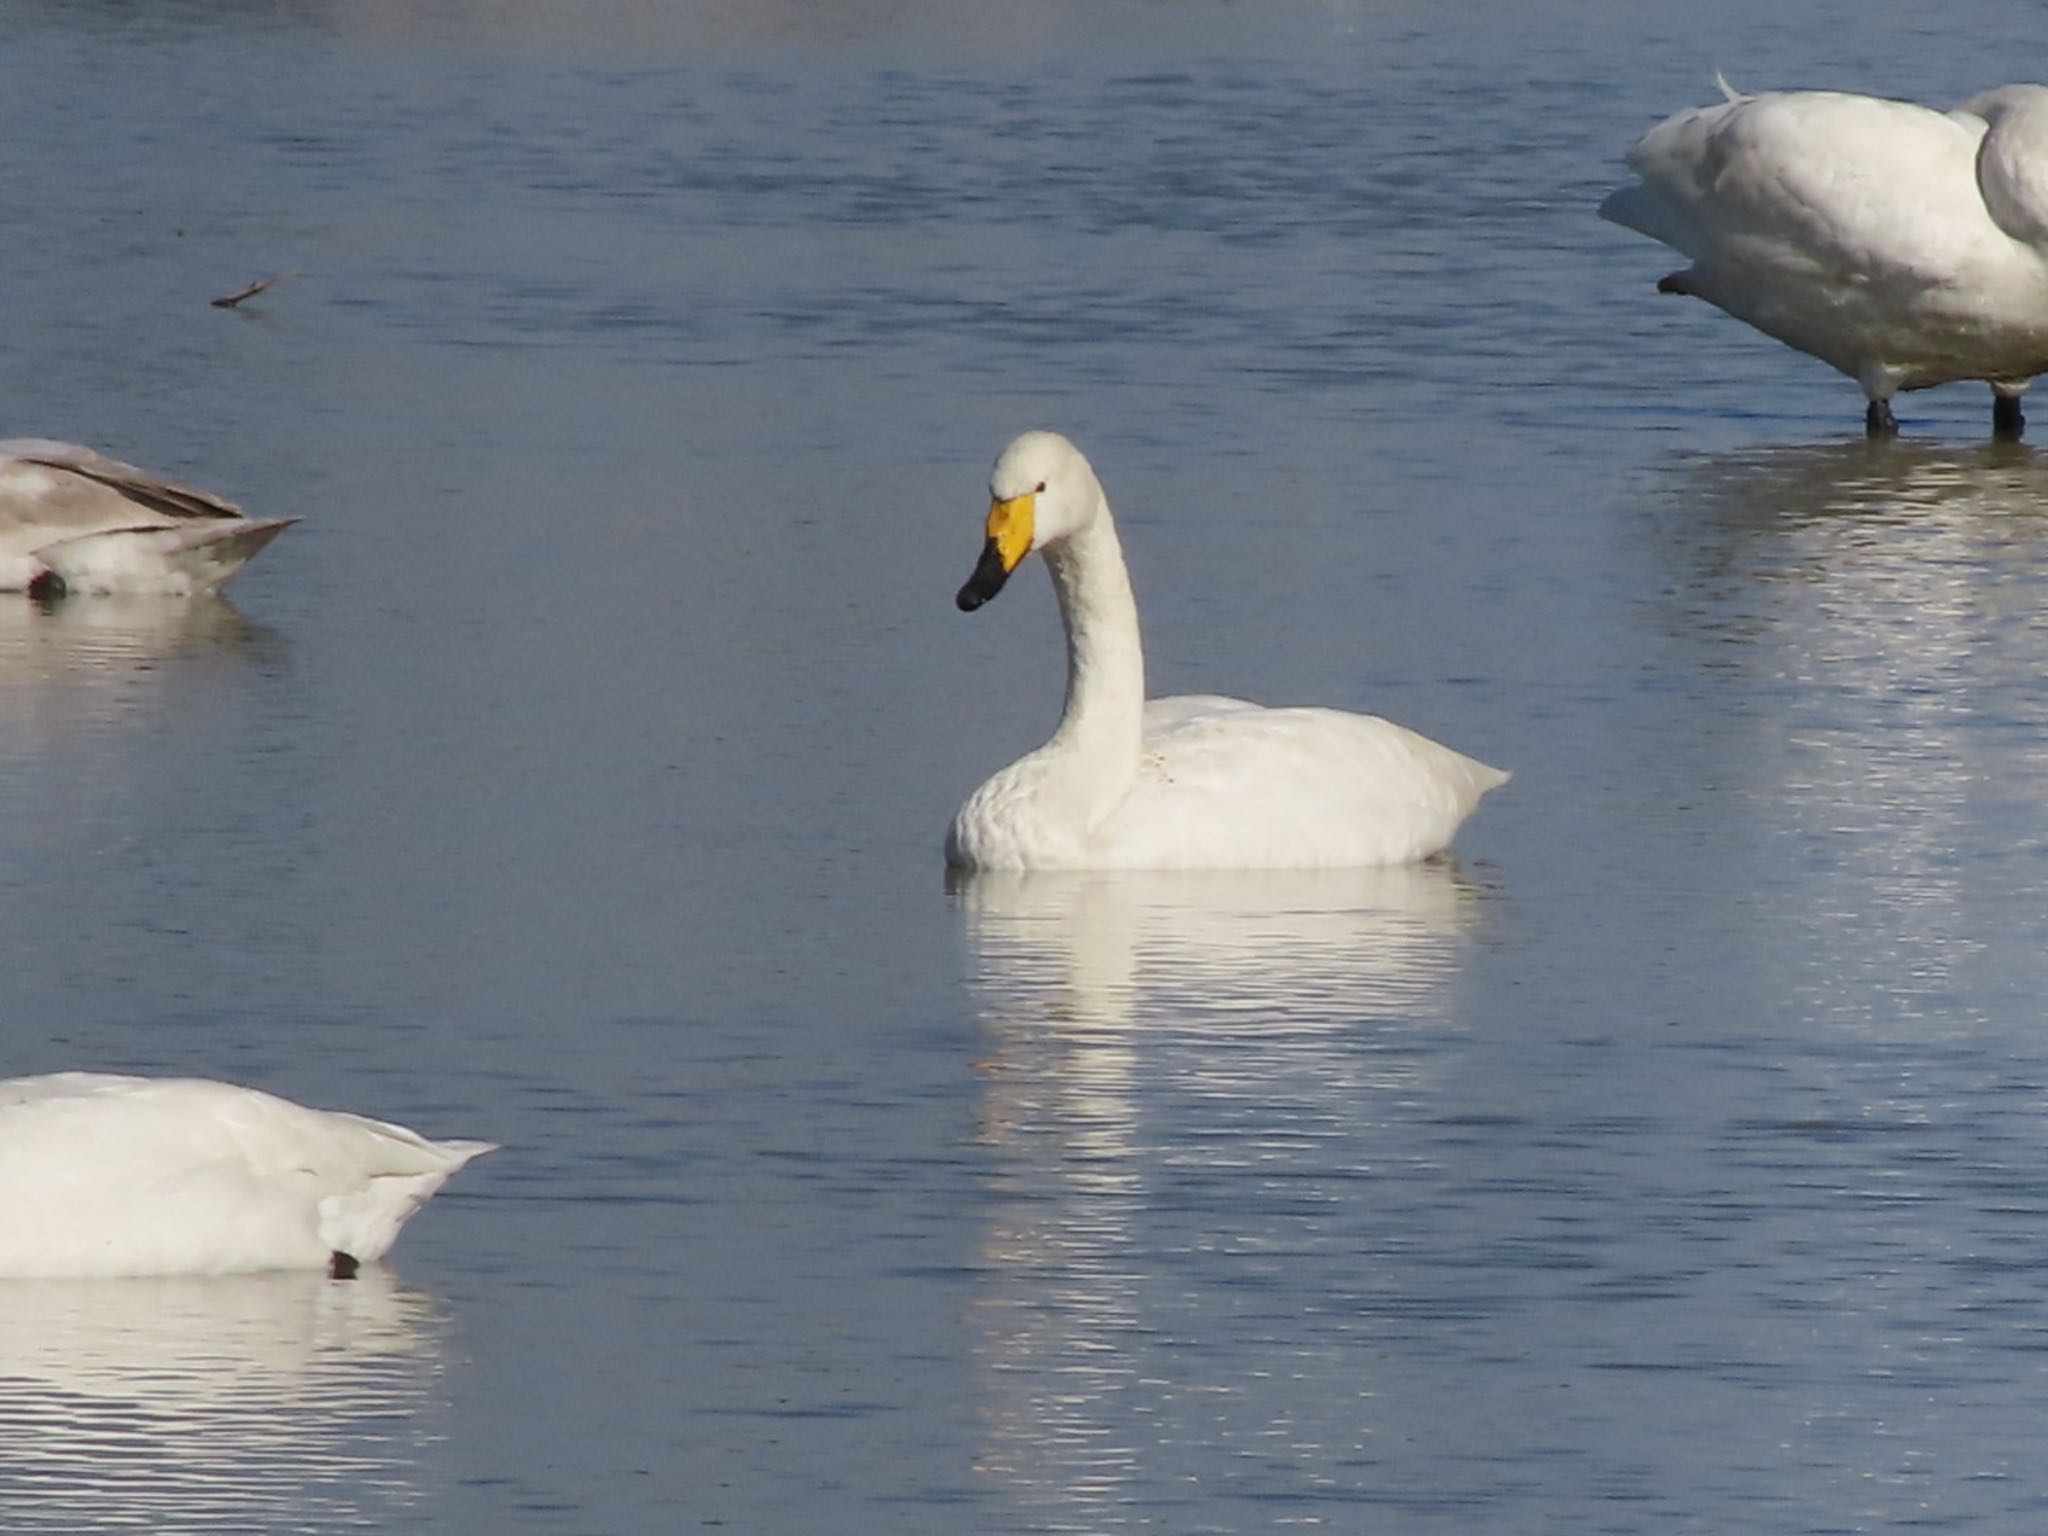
[1903, 246]
[98, 525]
[105, 1175]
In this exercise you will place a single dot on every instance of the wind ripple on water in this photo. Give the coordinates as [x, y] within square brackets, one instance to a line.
[268, 1401]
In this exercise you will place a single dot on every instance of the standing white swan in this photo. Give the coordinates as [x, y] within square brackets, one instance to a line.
[1184, 783]
[1904, 246]
[77, 521]
[104, 1175]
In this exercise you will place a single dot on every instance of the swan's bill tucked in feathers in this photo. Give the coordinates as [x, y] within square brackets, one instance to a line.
[1199, 782]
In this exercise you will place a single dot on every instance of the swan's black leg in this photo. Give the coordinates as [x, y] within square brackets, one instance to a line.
[342, 1266]
[1879, 421]
[2008, 422]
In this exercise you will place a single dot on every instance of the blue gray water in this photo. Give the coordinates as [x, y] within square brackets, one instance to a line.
[1675, 1160]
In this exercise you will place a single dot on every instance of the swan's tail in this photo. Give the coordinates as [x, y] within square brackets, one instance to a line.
[174, 561]
[460, 1152]
[404, 1170]
[1728, 91]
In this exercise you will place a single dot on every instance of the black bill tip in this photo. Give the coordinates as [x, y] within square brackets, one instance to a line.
[987, 580]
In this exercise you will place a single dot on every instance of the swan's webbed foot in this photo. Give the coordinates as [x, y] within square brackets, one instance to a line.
[1878, 421]
[2008, 421]
[342, 1266]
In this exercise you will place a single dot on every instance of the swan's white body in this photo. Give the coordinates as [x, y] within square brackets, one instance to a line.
[1183, 783]
[1903, 246]
[102, 1175]
[75, 517]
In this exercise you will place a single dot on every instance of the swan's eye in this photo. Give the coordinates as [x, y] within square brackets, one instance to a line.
[1039, 489]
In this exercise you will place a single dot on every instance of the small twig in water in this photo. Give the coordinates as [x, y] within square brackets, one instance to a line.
[229, 301]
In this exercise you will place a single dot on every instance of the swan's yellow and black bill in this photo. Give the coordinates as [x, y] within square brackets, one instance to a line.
[1009, 541]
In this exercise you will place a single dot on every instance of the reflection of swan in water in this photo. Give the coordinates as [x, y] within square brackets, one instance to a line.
[1898, 552]
[117, 628]
[1130, 948]
[1873, 614]
[1890, 557]
[115, 634]
[244, 1402]
[1191, 1080]
[1883, 481]
[106, 659]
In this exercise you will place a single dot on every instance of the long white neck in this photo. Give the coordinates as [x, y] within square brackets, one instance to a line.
[1102, 724]
[2012, 161]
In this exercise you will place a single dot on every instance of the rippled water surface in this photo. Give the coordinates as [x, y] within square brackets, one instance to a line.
[1674, 1160]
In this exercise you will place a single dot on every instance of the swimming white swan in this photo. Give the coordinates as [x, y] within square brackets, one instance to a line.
[74, 520]
[1184, 783]
[1904, 246]
[103, 1175]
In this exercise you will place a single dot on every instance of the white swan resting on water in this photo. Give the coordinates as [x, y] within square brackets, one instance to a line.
[103, 1175]
[72, 520]
[1904, 246]
[1183, 783]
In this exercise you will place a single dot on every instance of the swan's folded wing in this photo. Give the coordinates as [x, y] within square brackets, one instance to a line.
[1812, 184]
[1254, 788]
[163, 496]
[1163, 715]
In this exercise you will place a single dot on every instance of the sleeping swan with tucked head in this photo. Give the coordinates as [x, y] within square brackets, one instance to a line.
[72, 520]
[1185, 783]
[1903, 246]
[102, 1175]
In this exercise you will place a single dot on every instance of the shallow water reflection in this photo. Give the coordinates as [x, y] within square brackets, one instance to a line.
[1902, 534]
[1870, 617]
[212, 1404]
[1189, 1083]
[1797, 482]
[1132, 948]
[138, 625]
[94, 658]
